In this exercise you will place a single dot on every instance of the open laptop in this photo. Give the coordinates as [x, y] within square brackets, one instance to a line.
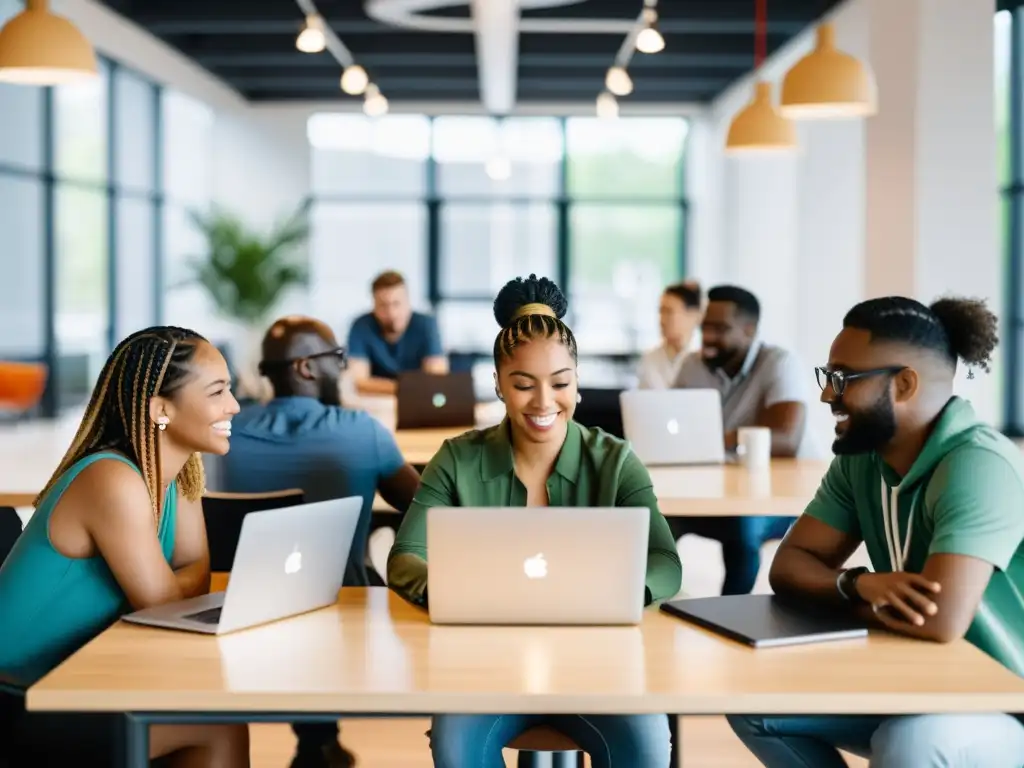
[430, 401]
[289, 561]
[674, 426]
[548, 565]
[763, 621]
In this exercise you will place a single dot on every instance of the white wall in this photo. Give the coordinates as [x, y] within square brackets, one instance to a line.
[904, 202]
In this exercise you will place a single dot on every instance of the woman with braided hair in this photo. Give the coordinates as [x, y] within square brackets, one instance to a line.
[119, 527]
[538, 456]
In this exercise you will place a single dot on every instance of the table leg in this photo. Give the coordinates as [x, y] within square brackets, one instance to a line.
[135, 750]
[677, 748]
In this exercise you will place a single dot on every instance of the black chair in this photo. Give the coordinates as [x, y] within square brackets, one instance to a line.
[10, 530]
[600, 408]
[224, 513]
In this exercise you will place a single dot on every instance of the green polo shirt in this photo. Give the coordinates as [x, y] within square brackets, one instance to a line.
[593, 469]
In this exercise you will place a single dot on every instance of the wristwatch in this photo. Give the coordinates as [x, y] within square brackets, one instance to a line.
[846, 583]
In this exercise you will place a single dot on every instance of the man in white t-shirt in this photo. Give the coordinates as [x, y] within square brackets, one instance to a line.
[761, 385]
[679, 314]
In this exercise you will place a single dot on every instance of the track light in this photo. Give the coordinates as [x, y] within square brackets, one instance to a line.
[374, 103]
[354, 80]
[312, 39]
[650, 40]
[618, 81]
[607, 106]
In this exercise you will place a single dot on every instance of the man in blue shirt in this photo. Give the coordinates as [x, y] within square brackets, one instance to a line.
[392, 339]
[303, 438]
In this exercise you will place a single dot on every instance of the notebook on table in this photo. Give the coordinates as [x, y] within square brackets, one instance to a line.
[764, 621]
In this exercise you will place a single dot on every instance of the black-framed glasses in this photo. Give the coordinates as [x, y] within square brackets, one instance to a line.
[839, 379]
[337, 352]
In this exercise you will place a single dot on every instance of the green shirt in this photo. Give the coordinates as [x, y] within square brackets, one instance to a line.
[964, 495]
[593, 469]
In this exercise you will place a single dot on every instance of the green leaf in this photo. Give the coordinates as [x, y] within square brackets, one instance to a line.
[245, 273]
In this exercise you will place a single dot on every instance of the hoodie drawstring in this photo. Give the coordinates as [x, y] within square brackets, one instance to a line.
[891, 523]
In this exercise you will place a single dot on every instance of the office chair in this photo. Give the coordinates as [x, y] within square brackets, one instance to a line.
[224, 513]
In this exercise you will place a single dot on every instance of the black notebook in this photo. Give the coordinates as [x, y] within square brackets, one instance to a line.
[763, 621]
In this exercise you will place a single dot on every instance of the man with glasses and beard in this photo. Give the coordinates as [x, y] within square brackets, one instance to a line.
[304, 438]
[761, 385]
[938, 499]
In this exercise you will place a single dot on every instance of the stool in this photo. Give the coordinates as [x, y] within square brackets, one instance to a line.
[542, 746]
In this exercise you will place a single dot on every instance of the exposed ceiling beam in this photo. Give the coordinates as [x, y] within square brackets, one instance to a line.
[426, 59]
[162, 26]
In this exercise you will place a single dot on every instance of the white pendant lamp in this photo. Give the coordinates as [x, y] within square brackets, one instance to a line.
[828, 84]
[38, 47]
[759, 127]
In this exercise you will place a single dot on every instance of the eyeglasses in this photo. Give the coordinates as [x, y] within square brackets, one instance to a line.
[337, 352]
[839, 379]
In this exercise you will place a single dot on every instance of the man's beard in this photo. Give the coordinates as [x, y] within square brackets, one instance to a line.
[721, 357]
[330, 391]
[866, 430]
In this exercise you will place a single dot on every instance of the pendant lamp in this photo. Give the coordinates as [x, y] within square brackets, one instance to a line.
[38, 47]
[759, 127]
[828, 84]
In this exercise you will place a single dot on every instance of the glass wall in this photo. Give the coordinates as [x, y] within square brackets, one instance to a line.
[462, 204]
[79, 202]
[1009, 100]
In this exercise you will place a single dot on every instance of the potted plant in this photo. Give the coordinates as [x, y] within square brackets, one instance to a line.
[246, 273]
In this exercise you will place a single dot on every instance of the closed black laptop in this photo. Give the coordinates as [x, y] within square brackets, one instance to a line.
[431, 401]
[763, 621]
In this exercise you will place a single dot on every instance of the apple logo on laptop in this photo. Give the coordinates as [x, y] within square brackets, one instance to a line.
[293, 563]
[672, 427]
[535, 567]
[439, 400]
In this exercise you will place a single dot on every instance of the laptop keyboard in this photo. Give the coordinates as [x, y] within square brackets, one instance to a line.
[209, 616]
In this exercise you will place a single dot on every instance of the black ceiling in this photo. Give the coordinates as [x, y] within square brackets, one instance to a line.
[251, 45]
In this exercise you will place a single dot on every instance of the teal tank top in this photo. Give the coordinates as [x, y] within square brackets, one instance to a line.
[52, 605]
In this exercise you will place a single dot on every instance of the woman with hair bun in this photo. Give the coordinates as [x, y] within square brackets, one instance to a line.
[537, 456]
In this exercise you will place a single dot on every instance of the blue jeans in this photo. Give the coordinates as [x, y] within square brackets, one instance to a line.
[911, 741]
[741, 539]
[612, 741]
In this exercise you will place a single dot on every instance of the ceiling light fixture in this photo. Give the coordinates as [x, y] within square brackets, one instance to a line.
[354, 80]
[318, 36]
[312, 38]
[618, 81]
[607, 106]
[759, 127]
[828, 83]
[374, 103]
[649, 39]
[38, 47]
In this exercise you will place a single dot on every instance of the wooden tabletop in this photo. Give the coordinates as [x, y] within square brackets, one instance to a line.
[784, 488]
[373, 653]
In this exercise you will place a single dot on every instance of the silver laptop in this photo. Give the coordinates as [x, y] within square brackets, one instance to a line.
[674, 426]
[289, 561]
[547, 565]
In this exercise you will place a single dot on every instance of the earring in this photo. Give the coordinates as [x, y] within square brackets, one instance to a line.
[579, 398]
[162, 422]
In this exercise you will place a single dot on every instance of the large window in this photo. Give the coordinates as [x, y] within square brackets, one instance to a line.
[462, 204]
[79, 196]
[1009, 119]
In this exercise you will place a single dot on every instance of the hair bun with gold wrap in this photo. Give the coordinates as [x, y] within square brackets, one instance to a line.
[530, 296]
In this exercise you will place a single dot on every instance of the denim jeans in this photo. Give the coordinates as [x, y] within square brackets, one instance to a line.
[612, 741]
[741, 539]
[898, 741]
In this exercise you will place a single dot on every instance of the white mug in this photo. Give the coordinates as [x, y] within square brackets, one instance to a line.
[754, 447]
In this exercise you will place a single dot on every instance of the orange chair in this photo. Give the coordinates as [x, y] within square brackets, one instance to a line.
[21, 385]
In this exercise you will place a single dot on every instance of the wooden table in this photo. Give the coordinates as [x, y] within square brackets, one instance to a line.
[373, 654]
